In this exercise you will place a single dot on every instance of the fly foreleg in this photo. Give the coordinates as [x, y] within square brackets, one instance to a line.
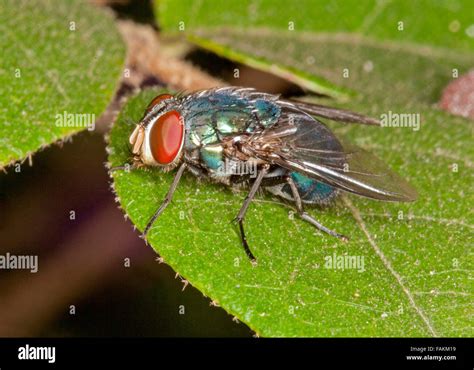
[166, 201]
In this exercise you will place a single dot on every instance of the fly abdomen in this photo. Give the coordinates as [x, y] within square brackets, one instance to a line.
[311, 191]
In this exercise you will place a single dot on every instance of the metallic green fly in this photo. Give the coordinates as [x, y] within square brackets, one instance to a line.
[237, 136]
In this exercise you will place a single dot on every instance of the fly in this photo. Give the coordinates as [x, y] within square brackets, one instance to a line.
[235, 135]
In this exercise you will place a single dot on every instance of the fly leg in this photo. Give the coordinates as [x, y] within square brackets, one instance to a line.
[305, 216]
[240, 217]
[166, 201]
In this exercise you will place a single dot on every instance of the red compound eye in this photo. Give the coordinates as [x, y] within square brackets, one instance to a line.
[166, 137]
[158, 99]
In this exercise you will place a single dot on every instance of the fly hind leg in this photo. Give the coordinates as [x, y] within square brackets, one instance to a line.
[305, 216]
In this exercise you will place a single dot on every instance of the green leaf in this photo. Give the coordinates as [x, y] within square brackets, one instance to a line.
[237, 30]
[417, 263]
[415, 279]
[60, 65]
[441, 23]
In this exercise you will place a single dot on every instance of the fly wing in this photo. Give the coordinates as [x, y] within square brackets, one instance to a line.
[301, 143]
[335, 114]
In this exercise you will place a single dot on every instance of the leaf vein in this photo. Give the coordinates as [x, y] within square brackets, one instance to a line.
[388, 265]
